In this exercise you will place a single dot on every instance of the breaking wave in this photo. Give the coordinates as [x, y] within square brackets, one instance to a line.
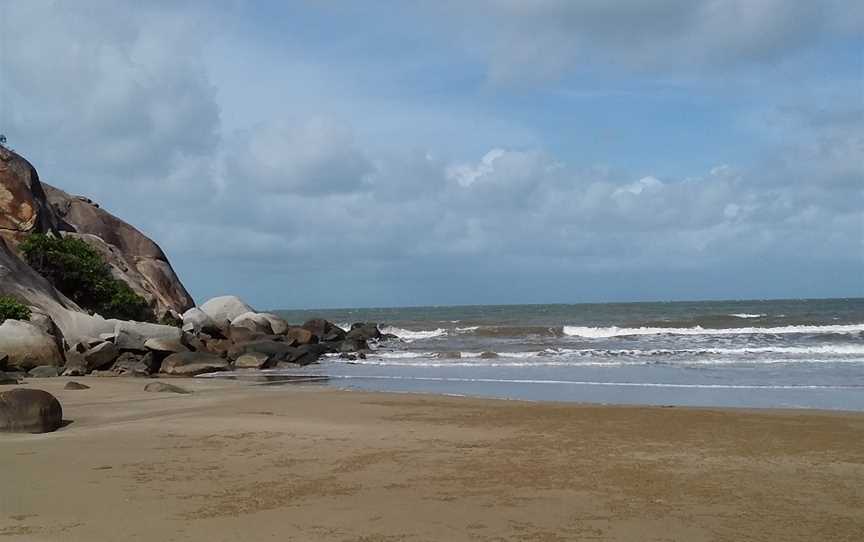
[614, 331]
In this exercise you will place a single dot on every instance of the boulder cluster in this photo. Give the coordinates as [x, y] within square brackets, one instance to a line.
[223, 334]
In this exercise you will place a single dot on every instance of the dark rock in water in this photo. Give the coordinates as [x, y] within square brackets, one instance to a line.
[72, 385]
[253, 360]
[134, 364]
[324, 330]
[349, 357]
[300, 336]
[388, 337]
[29, 411]
[309, 353]
[8, 379]
[448, 355]
[44, 371]
[193, 363]
[364, 332]
[100, 356]
[159, 387]
[488, 355]
[353, 345]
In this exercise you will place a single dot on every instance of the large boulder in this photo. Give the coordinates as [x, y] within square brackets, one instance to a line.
[193, 363]
[134, 335]
[277, 323]
[364, 332]
[324, 330]
[225, 308]
[197, 321]
[254, 322]
[277, 350]
[28, 346]
[29, 411]
[98, 357]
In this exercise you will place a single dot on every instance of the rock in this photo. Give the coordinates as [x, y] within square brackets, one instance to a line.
[388, 337]
[100, 356]
[364, 331]
[72, 385]
[132, 256]
[278, 351]
[488, 355]
[169, 346]
[253, 360]
[29, 411]
[225, 308]
[134, 335]
[44, 371]
[4, 359]
[197, 321]
[29, 206]
[309, 353]
[253, 322]
[324, 330]
[162, 387]
[8, 379]
[27, 346]
[448, 355]
[134, 364]
[277, 324]
[193, 363]
[109, 337]
[300, 336]
[352, 345]
[245, 335]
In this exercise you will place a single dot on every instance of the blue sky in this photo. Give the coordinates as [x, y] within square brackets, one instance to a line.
[331, 154]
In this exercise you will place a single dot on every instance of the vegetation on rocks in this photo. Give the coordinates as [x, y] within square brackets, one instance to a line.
[12, 309]
[78, 271]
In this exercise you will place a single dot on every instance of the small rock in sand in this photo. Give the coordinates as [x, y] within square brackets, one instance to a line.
[163, 387]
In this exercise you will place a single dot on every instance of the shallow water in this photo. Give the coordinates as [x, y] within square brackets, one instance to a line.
[790, 353]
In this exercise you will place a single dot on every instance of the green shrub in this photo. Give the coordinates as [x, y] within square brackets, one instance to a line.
[12, 309]
[78, 271]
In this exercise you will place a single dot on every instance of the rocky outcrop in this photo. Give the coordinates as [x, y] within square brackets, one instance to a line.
[24, 208]
[29, 411]
[134, 258]
[163, 387]
[29, 206]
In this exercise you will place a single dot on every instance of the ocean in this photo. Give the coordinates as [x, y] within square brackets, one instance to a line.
[764, 354]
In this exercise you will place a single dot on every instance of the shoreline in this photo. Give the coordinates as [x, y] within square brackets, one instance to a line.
[233, 460]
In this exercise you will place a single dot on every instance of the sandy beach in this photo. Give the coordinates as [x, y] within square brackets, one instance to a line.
[233, 461]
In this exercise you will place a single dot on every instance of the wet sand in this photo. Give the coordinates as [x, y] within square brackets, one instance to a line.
[304, 462]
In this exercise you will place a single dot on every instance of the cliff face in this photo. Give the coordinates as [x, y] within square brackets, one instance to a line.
[30, 206]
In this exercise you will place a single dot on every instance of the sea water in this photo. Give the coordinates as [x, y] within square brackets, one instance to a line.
[778, 354]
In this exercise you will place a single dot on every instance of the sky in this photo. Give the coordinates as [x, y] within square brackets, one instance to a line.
[332, 153]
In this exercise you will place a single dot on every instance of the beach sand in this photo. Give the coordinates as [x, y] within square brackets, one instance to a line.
[233, 461]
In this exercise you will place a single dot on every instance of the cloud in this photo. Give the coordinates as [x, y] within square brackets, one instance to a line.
[543, 39]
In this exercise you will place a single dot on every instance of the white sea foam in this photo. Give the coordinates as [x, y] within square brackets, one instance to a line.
[612, 384]
[745, 315]
[410, 336]
[467, 329]
[614, 331]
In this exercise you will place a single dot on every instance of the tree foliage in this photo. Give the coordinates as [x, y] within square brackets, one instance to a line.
[12, 309]
[78, 271]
